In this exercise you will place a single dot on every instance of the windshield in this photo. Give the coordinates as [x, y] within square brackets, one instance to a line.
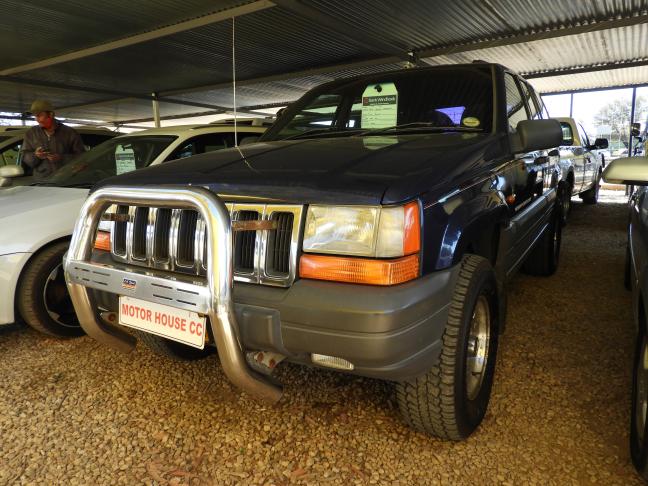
[439, 99]
[113, 157]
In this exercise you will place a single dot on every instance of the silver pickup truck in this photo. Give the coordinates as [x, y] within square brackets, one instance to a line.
[582, 163]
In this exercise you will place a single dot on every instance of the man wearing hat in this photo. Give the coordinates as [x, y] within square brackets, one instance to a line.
[50, 144]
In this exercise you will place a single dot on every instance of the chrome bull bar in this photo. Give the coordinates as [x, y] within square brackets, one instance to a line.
[217, 302]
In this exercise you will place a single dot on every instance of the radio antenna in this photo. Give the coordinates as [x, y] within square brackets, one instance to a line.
[234, 78]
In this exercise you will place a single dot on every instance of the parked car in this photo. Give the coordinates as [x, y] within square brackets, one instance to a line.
[375, 226]
[582, 163]
[11, 140]
[38, 220]
[634, 171]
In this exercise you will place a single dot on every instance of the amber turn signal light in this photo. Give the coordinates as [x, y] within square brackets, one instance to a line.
[102, 242]
[359, 270]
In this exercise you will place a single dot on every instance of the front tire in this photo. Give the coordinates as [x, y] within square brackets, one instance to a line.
[638, 435]
[591, 195]
[42, 299]
[565, 202]
[450, 400]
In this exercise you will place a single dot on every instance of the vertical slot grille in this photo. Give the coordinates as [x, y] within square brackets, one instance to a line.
[244, 244]
[161, 235]
[176, 240]
[140, 221]
[278, 253]
[186, 238]
[119, 233]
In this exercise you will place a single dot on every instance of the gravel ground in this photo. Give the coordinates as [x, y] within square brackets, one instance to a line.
[75, 412]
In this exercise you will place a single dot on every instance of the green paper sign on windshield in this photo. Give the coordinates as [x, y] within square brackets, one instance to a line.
[379, 106]
[124, 159]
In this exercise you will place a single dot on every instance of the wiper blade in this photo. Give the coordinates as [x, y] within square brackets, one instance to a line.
[44, 184]
[416, 125]
[319, 131]
[84, 185]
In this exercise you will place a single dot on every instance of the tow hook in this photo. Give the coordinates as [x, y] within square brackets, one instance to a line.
[264, 362]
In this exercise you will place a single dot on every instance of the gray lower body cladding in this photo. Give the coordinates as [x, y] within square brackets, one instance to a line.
[391, 333]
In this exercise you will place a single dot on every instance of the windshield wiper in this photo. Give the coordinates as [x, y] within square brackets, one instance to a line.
[319, 131]
[417, 125]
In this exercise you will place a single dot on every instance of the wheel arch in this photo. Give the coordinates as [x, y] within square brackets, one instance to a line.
[31, 259]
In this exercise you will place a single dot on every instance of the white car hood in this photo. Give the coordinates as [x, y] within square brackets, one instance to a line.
[32, 216]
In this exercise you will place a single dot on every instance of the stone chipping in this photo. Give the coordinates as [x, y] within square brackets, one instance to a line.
[76, 412]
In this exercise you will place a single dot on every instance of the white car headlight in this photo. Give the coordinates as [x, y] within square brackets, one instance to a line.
[368, 231]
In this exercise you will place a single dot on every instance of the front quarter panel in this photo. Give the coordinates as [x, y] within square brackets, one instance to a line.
[10, 269]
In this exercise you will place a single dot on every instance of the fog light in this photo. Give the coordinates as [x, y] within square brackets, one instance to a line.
[331, 362]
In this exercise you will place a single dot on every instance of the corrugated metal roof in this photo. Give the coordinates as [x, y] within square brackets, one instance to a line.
[607, 46]
[204, 55]
[278, 40]
[39, 29]
[283, 91]
[598, 79]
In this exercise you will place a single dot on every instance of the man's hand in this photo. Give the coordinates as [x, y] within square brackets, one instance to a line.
[40, 153]
[54, 157]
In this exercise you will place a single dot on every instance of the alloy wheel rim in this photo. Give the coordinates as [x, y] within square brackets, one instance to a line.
[478, 344]
[641, 401]
[57, 300]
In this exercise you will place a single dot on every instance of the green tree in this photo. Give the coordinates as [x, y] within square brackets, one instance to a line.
[616, 114]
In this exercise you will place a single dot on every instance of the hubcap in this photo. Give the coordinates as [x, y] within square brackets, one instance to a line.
[478, 343]
[641, 404]
[57, 300]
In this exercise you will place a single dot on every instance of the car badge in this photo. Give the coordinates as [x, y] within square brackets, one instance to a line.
[129, 283]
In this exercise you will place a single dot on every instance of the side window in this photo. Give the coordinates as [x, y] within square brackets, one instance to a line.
[568, 135]
[215, 141]
[185, 149]
[91, 140]
[515, 110]
[10, 155]
[583, 136]
[532, 103]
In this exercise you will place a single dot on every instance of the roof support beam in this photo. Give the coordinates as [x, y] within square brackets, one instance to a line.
[583, 28]
[144, 37]
[120, 95]
[586, 69]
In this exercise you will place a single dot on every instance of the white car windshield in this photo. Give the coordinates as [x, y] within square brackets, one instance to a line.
[113, 157]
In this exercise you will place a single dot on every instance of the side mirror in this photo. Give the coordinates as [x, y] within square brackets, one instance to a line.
[636, 129]
[627, 170]
[9, 171]
[537, 135]
[601, 143]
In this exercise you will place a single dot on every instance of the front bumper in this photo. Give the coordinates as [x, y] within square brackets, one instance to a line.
[391, 333]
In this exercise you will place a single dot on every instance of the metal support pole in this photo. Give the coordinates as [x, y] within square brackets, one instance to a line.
[156, 110]
[571, 105]
[632, 119]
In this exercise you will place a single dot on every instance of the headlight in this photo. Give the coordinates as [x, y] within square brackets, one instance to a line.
[368, 231]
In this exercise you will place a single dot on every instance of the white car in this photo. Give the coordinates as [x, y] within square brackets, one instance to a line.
[11, 139]
[37, 220]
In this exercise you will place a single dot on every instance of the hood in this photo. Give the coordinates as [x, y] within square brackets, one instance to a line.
[351, 170]
[31, 216]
